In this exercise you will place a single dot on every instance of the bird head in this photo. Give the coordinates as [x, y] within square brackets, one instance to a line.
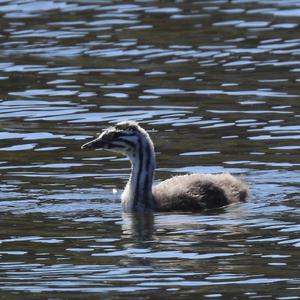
[124, 137]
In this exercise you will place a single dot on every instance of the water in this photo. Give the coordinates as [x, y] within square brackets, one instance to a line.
[216, 83]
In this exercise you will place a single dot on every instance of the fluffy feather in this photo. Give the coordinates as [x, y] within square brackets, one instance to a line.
[199, 191]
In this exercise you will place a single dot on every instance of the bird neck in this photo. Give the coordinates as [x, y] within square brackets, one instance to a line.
[137, 196]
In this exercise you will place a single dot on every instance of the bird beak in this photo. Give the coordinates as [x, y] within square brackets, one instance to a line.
[94, 144]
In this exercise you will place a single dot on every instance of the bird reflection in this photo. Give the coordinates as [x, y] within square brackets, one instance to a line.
[138, 225]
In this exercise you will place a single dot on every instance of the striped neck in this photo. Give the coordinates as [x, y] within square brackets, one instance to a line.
[137, 196]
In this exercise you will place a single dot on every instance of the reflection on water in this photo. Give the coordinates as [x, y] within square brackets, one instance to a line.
[216, 83]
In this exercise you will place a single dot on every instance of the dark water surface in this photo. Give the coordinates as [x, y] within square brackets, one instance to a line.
[217, 83]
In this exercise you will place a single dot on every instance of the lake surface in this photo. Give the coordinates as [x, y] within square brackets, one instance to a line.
[216, 83]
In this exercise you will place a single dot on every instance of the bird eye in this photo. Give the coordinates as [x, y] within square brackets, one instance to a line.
[131, 128]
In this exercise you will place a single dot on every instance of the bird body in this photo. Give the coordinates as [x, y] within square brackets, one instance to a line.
[184, 192]
[198, 192]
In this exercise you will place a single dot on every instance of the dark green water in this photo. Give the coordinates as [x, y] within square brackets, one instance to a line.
[217, 85]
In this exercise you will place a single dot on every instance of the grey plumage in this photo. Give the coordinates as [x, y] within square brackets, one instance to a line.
[185, 192]
[199, 191]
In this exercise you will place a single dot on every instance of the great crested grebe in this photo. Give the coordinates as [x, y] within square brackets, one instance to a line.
[185, 192]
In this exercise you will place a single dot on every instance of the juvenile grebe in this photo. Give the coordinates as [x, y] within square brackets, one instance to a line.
[185, 192]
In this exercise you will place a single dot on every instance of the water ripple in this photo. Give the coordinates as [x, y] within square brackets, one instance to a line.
[216, 85]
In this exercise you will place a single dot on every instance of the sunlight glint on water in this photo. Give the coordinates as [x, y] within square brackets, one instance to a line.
[216, 84]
